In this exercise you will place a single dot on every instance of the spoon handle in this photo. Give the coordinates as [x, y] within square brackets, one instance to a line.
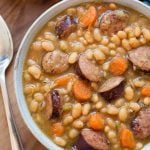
[15, 138]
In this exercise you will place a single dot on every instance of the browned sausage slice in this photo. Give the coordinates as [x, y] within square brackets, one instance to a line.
[55, 62]
[113, 21]
[91, 140]
[141, 124]
[65, 26]
[87, 68]
[53, 105]
[140, 57]
[112, 88]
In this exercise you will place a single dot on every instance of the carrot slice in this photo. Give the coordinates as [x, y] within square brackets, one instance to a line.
[82, 91]
[96, 121]
[58, 129]
[63, 80]
[127, 138]
[118, 65]
[145, 90]
[89, 18]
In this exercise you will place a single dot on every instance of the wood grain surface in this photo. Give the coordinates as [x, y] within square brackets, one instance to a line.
[19, 15]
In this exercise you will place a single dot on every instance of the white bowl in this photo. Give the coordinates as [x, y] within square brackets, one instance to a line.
[23, 49]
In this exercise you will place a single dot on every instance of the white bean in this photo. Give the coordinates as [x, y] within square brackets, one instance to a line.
[115, 39]
[99, 55]
[112, 6]
[138, 82]
[129, 93]
[77, 46]
[95, 98]
[86, 109]
[29, 89]
[146, 34]
[122, 34]
[78, 124]
[111, 123]
[88, 36]
[112, 110]
[104, 49]
[112, 52]
[112, 46]
[73, 57]
[137, 31]
[73, 133]
[48, 45]
[67, 120]
[106, 66]
[119, 102]
[71, 11]
[37, 46]
[50, 36]
[147, 100]
[126, 45]
[134, 106]
[33, 106]
[138, 146]
[27, 77]
[77, 110]
[39, 97]
[89, 54]
[69, 86]
[35, 71]
[134, 43]
[60, 141]
[99, 105]
[104, 40]
[123, 114]
[111, 135]
[63, 45]
[107, 129]
[142, 40]
[97, 35]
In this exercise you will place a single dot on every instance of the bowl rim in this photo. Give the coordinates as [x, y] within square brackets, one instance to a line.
[21, 102]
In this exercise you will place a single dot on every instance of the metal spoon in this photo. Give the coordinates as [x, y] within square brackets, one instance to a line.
[6, 54]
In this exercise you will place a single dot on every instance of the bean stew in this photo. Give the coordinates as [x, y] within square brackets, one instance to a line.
[86, 78]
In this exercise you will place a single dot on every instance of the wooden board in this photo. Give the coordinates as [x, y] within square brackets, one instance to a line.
[19, 15]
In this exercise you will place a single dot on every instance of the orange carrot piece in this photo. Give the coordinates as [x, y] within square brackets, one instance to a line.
[89, 18]
[82, 90]
[118, 65]
[96, 121]
[58, 129]
[63, 80]
[127, 139]
[145, 90]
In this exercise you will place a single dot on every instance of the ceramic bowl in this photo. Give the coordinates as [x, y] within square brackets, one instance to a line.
[23, 49]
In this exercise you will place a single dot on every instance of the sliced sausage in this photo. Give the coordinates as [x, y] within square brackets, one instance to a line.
[88, 69]
[53, 105]
[65, 26]
[140, 57]
[91, 140]
[112, 88]
[113, 21]
[55, 62]
[141, 124]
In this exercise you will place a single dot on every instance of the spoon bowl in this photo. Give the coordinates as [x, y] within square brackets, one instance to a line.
[6, 45]
[6, 55]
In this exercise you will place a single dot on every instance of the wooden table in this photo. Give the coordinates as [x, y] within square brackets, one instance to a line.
[19, 15]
